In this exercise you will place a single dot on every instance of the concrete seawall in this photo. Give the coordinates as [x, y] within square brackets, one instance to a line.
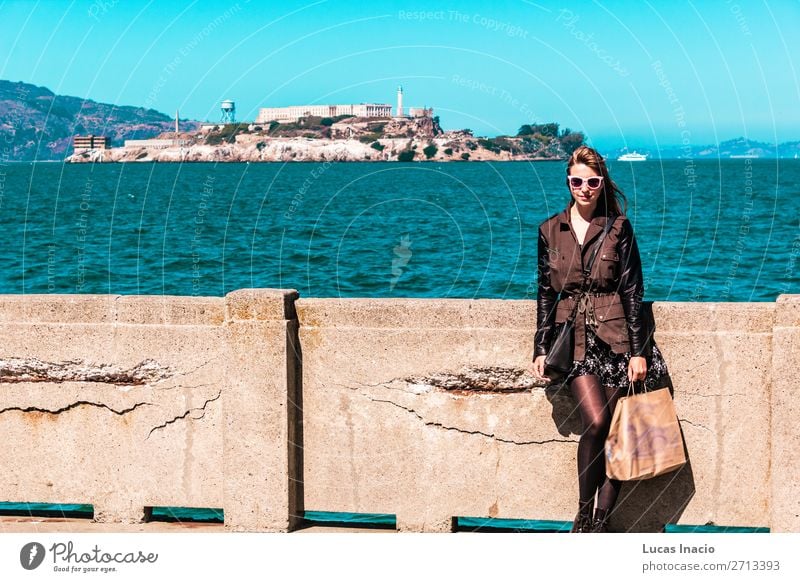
[267, 405]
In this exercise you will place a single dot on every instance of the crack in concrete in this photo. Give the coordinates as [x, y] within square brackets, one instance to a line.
[481, 380]
[16, 370]
[695, 424]
[185, 414]
[693, 368]
[713, 395]
[192, 371]
[461, 430]
[75, 405]
[166, 388]
[386, 385]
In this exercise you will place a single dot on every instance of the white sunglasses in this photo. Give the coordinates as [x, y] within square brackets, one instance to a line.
[577, 182]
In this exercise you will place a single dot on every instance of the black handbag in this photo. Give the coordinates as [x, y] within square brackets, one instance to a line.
[559, 359]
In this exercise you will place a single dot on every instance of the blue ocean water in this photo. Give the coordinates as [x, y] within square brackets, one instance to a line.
[708, 230]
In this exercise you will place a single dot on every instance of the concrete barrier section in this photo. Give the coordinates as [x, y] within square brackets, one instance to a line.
[267, 405]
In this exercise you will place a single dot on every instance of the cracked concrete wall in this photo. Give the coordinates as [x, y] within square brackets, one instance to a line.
[129, 402]
[262, 459]
[379, 437]
[416, 407]
[113, 401]
[376, 439]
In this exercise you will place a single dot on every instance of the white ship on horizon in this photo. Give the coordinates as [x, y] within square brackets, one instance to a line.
[632, 157]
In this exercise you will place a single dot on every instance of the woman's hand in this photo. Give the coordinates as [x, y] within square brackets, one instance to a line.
[637, 368]
[537, 368]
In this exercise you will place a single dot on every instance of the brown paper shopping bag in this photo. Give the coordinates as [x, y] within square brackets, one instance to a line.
[644, 439]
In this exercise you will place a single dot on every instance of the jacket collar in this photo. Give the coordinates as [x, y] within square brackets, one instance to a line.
[595, 226]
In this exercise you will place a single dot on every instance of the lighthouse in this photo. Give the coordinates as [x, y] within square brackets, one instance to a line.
[400, 101]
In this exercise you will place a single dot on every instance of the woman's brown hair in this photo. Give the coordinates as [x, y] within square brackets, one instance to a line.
[612, 200]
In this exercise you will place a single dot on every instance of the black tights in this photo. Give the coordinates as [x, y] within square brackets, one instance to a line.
[596, 405]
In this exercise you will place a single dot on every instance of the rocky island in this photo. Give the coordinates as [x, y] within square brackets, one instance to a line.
[37, 125]
[342, 138]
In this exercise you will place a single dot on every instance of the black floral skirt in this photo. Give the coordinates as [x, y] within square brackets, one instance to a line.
[612, 368]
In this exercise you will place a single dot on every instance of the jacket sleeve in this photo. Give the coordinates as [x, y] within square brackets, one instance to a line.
[546, 300]
[631, 290]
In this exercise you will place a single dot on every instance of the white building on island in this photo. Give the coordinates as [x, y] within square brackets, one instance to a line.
[294, 112]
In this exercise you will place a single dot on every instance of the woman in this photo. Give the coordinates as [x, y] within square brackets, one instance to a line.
[613, 342]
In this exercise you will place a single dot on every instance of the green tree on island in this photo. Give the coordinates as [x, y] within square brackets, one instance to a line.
[571, 141]
[544, 132]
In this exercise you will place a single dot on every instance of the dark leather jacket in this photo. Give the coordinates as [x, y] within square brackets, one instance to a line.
[613, 308]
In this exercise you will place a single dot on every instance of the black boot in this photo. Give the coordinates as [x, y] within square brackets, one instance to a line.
[583, 521]
[600, 521]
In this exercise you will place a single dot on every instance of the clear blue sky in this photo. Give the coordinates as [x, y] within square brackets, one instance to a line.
[625, 73]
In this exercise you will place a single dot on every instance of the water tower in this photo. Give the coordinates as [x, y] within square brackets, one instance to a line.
[228, 109]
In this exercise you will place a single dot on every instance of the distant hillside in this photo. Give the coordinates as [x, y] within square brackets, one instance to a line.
[733, 147]
[39, 125]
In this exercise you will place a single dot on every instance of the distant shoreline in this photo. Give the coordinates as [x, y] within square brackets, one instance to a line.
[143, 162]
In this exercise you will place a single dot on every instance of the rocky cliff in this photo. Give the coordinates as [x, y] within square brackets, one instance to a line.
[319, 140]
[37, 124]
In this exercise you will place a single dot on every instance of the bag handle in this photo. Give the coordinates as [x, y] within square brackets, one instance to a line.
[631, 388]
